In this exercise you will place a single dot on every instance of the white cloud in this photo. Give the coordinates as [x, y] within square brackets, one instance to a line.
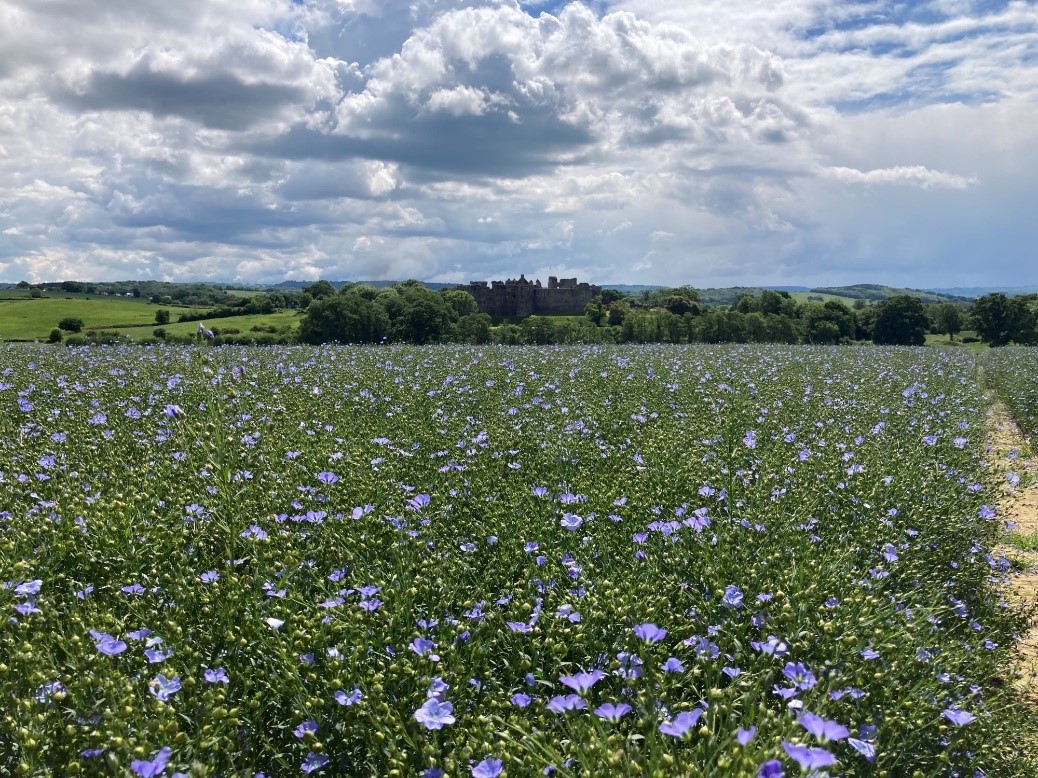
[720, 141]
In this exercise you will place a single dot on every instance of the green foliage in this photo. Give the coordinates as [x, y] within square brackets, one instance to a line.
[948, 318]
[162, 316]
[55, 336]
[301, 520]
[1001, 320]
[71, 324]
[901, 321]
[347, 318]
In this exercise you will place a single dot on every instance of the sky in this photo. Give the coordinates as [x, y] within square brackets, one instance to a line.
[711, 143]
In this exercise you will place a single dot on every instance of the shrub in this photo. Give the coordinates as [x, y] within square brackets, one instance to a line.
[55, 336]
[71, 324]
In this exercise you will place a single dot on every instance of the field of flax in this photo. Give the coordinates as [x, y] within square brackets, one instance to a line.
[755, 561]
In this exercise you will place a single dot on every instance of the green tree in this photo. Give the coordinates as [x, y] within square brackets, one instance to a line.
[423, 315]
[901, 321]
[1000, 320]
[818, 317]
[71, 324]
[162, 316]
[320, 289]
[55, 336]
[463, 303]
[948, 318]
[344, 319]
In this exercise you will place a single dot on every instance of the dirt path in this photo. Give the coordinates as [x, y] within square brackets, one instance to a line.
[1018, 506]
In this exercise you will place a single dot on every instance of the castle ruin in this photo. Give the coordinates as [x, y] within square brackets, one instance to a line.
[518, 297]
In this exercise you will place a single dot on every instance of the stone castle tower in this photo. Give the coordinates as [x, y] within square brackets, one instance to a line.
[518, 297]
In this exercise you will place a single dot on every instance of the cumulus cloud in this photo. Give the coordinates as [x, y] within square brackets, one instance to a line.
[721, 141]
[914, 175]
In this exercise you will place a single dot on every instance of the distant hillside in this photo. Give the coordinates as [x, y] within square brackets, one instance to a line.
[878, 292]
[980, 291]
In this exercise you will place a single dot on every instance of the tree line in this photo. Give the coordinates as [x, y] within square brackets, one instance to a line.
[410, 312]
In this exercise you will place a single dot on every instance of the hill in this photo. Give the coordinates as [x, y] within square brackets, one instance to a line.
[878, 293]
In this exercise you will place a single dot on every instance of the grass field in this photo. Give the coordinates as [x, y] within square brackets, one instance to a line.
[243, 324]
[22, 319]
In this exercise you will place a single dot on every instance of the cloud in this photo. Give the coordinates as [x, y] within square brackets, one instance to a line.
[720, 141]
[217, 100]
[914, 175]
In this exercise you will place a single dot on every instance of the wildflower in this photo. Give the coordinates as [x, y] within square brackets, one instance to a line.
[149, 768]
[744, 736]
[107, 644]
[959, 718]
[732, 597]
[488, 768]
[314, 762]
[216, 675]
[821, 728]
[521, 700]
[308, 727]
[162, 688]
[771, 769]
[435, 714]
[682, 723]
[808, 757]
[611, 712]
[565, 702]
[581, 683]
[650, 633]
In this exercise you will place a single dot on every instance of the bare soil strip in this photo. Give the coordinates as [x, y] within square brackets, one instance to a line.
[1018, 506]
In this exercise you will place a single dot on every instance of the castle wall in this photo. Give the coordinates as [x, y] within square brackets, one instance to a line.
[518, 298]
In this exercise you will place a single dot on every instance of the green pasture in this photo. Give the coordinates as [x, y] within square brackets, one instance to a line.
[243, 324]
[29, 319]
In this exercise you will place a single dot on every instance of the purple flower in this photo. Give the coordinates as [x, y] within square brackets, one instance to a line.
[424, 647]
[959, 718]
[581, 683]
[314, 762]
[744, 736]
[352, 698]
[822, 728]
[611, 712]
[650, 633]
[327, 478]
[800, 675]
[732, 597]
[216, 675]
[809, 758]
[869, 654]
[673, 665]
[28, 588]
[210, 577]
[149, 768]
[681, 723]
[750, 439]
[162, 688]
[866, 749]
[570, 521]
[435, 714]
[771, 769]
[521, 700]
[305, 728]
[107, 644]
[488, 768]
[561, 703]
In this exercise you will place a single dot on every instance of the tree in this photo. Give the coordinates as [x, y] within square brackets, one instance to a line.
[818, 318]
[901, 321]
[55, 336]
[71, 324]
[680, 305]
[320, 289]
[463, 303]
[345, 319]
[162, 316]
[595, 311]
[948, 319]
[999, 320]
